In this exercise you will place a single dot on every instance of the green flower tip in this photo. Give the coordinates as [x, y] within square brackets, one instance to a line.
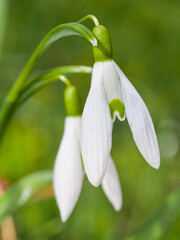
[72, 102]
[117, 106]
[103, 51]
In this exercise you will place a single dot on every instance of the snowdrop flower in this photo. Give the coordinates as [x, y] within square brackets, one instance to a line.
[112, 95]
[68, 171]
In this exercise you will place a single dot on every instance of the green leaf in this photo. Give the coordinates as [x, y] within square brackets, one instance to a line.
[19, 193]
[155, 226]
[49, 76]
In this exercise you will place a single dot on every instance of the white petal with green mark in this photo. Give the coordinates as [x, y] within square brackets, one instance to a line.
[140, 122]
[113, 90]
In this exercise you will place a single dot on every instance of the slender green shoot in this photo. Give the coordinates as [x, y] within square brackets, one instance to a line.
[92, 17]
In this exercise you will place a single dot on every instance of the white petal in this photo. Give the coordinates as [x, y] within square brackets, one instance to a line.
[68, 172]
[140, 122]
[96, 134]
[112, 85]
[111, 185]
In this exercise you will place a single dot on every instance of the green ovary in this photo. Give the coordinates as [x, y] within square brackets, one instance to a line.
[102, 52]
[117, 106]
[72, 102]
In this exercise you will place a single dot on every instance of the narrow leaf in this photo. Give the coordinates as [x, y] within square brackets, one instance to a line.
[19, 193]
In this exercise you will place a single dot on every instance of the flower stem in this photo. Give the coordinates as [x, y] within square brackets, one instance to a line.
[30, 90]
[65, 80]
[92, 17]
[10, 104]
[49, 76]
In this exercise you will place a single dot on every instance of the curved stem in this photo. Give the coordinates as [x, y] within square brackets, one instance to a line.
[65, 80]
[92, 17]
[34, 85]
[49, 76]
[58, 32]
[27, 93]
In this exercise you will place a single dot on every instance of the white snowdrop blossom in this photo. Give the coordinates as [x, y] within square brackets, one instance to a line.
[110, 91]
[111, 95]
[69, 174]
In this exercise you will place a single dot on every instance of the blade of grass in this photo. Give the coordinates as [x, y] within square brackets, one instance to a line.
[19, 193]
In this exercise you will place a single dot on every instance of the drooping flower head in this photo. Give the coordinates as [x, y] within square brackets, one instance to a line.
[68, 170]
[112, 95]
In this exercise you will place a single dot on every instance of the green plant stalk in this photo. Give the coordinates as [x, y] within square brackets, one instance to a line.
[91, 17]
[58, 32]
[19, 193]
[38, 86]
[155, 226]
[49, 76]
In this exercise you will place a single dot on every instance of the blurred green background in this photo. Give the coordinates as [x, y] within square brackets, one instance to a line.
[146, 42]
